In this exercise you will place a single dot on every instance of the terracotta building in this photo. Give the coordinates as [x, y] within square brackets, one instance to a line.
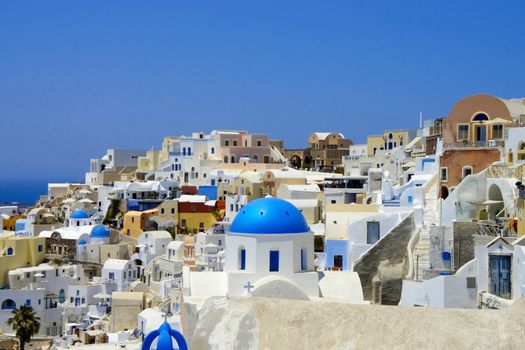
[473, 136]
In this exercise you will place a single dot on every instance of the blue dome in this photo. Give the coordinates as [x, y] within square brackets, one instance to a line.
[79, 214]
[82, 242]
[269, 216]
[165, 335]
[100, 232]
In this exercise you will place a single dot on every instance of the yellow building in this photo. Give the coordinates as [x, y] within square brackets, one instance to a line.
[134, 221]
[389, 140]
[9, 224]
[19, 252]
[167, 212]
[197, 216]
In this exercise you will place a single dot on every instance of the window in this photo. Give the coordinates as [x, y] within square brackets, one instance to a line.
[372, 232]
[28, 302]
[220, 242]
[242, 259]
[497, 132]
[162, 210]
[443, 174]
[173, 210]
[184, 151]
[189, 151]
[40, 247]
[225, 159]
[183, 223]
[466, 171]
[303, 260]
[259, 143]
[463, 131]
[226, 143]
[111, 276]
[274, 261]
[234, 143]
[9, 251]
[212, 150]
[201, 225]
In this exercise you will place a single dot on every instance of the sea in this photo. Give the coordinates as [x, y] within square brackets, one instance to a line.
[24, 192]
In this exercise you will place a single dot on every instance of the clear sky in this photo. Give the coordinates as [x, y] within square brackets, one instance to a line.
[79, 77]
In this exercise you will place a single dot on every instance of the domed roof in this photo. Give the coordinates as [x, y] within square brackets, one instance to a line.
[269, 216]
[100, 232]
[79, 214]
[82, 242]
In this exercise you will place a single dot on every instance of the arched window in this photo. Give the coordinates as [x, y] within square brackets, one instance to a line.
[256, 159]
[8, 304]
[61, 296]
[480, 117]
[242, 258]
[9, 251]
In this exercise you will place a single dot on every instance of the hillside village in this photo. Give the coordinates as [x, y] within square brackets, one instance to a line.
[415, 220]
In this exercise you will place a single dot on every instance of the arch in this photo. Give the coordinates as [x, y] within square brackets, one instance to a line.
[256, 159]
[8, 304]
[164, 339]
[276, 286]
[242, 258]
[495, 196]
[444, 192]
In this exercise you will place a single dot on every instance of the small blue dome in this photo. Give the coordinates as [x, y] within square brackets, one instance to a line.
[82, 242]
[79, 214]
[269, 216]
[100, 232]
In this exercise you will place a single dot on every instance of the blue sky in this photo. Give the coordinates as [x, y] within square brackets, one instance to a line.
[79, 77]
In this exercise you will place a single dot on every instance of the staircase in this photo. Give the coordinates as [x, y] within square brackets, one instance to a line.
[395, 202]
[421, 251]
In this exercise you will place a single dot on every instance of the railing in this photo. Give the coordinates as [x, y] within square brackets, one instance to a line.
[474, 144]
[489, 229]
[504, 171]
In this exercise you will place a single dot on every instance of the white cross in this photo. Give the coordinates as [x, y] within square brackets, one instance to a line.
[248, 286]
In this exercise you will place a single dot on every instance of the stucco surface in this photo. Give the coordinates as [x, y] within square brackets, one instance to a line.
[261, 323]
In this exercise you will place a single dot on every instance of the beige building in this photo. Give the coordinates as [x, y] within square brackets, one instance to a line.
[125, 308]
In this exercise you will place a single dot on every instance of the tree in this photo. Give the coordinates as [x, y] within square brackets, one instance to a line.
[25, 323]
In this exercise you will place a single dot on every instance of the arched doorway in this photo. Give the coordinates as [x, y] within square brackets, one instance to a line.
[495, 198]
[444, 192]
[296, 161]
[8, 304]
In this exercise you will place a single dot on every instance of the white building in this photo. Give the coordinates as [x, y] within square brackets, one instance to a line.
[118, 274]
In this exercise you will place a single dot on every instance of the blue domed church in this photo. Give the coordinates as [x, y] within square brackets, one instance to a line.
[269, 252]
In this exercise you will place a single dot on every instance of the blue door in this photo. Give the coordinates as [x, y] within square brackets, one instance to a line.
[500, 275]
[274, 260]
